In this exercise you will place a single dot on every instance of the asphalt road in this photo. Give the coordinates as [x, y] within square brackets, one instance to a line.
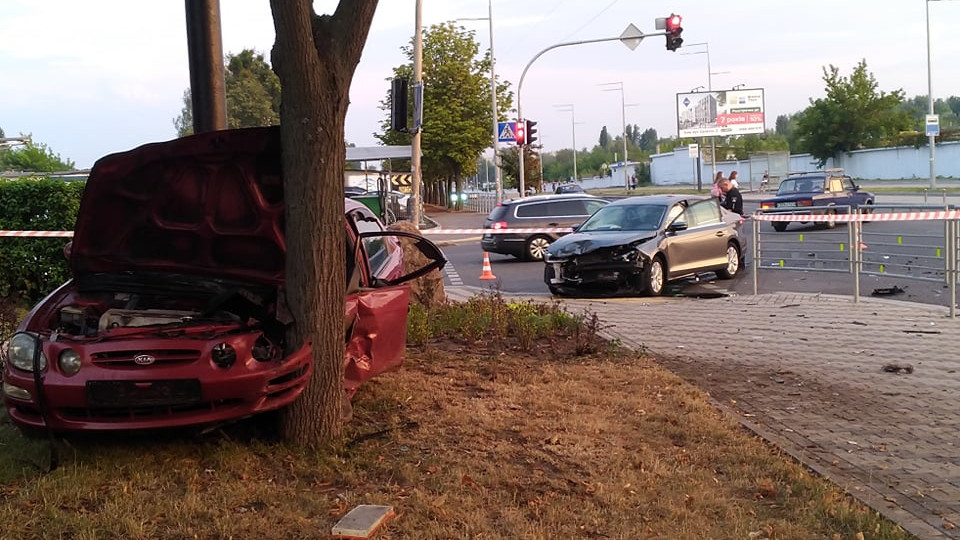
[902, 258]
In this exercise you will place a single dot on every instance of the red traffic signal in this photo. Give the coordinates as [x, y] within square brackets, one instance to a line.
[673, 32]
[521, 132]
[673, 23]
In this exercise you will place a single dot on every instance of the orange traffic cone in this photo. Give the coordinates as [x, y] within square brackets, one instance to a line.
[487, 271]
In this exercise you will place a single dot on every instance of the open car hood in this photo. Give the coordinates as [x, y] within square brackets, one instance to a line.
[577, 244]
[208, 204]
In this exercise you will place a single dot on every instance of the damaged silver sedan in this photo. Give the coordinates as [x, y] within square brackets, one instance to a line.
[638, 245]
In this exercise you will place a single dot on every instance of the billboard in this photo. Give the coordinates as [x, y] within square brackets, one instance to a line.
[720, 113]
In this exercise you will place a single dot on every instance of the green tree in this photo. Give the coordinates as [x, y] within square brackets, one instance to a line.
[604, 140]
[510, 168]
[853, 115]
[648, 141]
[457, 116]
[253, 94]
[33, 157]
[315, 58]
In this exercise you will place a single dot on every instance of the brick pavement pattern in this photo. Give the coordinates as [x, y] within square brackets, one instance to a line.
[809, 373]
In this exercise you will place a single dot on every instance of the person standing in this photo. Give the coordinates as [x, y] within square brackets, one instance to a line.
[733, 179]
[715, 188]
[732, 199]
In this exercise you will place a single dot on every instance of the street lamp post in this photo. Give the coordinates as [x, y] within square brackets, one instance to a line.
[493, 100]
[623, 118]
[710, 74]
[573, 132]
[630, 37]
[933, 148]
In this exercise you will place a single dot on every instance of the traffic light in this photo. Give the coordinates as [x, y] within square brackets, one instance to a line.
[673, 32]
[521, 132]
[531, 132]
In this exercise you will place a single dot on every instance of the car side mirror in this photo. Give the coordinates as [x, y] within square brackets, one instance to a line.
[677, 226]
[576, 227]
[436, 259]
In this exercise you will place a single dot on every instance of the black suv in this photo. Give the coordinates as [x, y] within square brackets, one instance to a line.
[538, 212]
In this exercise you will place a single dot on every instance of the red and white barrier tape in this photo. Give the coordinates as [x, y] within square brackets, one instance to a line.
[842, 218]
[846, 218]
[498, 231]
[38, 234]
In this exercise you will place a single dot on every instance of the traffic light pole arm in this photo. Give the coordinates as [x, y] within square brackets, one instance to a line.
[524, 74]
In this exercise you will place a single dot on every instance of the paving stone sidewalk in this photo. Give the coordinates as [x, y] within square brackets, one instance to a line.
[865, 393]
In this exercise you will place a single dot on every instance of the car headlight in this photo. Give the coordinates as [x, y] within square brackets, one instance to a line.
[69, 362]
[21, 349]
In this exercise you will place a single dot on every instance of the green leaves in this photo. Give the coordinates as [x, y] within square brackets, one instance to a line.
[253, 94]
[853, 115]
[32, 267]
[33, 158]
[457, 105]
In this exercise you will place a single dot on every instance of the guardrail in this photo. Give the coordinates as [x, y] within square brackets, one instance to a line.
[850, 246]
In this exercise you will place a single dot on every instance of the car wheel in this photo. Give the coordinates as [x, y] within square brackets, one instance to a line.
[830, 224]
[547, 276]
[779, 226]
[655, 277]
[733, 263]
[536, 248]
[867, 209]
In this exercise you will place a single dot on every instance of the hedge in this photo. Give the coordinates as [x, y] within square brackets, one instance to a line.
[32, 267]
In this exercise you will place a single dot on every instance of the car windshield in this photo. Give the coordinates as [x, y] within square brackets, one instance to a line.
[800, 185]
[632, 217]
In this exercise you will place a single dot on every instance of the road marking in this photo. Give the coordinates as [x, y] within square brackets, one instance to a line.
[452, 275]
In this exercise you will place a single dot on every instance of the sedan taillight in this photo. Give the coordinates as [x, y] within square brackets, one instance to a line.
[806, 202]
[764, 205]
[498, 225]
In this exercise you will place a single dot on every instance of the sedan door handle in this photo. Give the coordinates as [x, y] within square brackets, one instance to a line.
[720, 234]
[553, 224]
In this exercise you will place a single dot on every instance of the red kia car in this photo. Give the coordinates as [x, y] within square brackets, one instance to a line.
[175, 315]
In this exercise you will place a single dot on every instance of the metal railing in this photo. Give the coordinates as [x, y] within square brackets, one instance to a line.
[858, 245]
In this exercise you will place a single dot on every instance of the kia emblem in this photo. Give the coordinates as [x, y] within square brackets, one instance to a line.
[144, 359]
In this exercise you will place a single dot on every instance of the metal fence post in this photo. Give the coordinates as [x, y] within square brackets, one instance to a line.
[953, 226]
[856, 254]
[755, 226]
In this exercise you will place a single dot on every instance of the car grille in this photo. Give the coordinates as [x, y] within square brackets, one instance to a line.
[161, 357]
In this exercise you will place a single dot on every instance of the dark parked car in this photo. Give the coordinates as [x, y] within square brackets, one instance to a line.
[568, 188]
[820, 192]
[538, 212]
[641, 243]
[175, 315]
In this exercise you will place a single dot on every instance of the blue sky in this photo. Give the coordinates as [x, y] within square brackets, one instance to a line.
[91, 78]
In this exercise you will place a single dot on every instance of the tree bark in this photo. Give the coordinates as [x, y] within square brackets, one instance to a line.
[315, 58]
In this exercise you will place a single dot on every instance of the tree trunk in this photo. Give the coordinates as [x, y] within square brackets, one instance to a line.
[315, 58]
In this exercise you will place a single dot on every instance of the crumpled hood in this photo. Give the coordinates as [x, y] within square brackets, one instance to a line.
[208, 204]
[577, 244]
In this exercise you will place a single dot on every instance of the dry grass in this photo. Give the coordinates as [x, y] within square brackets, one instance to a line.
[471, 439]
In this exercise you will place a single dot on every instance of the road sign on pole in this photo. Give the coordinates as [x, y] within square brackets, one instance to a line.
[933, 125]
[506, 132]
[693, 150]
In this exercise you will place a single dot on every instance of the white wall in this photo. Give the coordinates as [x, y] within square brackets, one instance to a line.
[900, 163]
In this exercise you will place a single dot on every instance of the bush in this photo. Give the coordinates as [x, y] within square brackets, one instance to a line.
[32, 267]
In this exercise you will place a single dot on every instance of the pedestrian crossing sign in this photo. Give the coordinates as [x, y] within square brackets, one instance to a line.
[506, 132]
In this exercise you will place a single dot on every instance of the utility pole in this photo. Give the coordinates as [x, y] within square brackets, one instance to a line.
[631, 37]
[415, 143]
[493, 100]
[205, 53]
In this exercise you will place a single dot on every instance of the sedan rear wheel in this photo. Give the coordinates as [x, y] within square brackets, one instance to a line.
[537, 248]
[733, 263]
[655, 277]
[830, 224]
[779, 226]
